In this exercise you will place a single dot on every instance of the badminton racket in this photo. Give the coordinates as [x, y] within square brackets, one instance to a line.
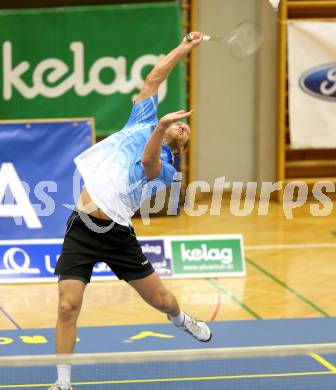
[243, 41]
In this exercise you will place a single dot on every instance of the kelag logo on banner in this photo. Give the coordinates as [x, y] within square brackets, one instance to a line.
[208, 256]
[86, 61]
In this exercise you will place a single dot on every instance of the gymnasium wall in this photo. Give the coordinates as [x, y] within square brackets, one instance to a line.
[236, 130]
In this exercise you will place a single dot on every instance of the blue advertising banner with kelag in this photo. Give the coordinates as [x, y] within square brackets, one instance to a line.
[38, 186]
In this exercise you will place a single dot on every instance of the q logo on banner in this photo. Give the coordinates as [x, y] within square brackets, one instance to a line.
[12, 266]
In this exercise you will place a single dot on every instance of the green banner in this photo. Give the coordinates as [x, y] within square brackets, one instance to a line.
[86, 61]
[208, 256]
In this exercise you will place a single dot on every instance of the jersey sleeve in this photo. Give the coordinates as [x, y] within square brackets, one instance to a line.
[144, 112]
[166, 175]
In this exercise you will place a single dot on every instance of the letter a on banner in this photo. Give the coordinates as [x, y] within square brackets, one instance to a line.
[23, 208]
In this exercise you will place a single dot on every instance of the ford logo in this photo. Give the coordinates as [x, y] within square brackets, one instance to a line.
[320, 82]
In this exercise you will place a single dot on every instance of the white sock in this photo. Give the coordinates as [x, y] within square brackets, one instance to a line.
[64, 375]
[178, 320]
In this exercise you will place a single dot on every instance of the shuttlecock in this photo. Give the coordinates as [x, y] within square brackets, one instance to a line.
[275, 3]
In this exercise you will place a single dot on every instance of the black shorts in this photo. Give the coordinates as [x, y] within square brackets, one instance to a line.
[117, 247]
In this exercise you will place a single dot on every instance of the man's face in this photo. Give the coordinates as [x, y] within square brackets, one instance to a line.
[177, 137]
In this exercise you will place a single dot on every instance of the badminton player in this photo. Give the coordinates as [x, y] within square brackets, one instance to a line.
[118, 173]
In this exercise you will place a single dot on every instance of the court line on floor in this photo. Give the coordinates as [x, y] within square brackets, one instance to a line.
[218, 306]
[290, 246]
[233, 298]
[324, 362]
[7, 315]
[187, 379]
[287, 287]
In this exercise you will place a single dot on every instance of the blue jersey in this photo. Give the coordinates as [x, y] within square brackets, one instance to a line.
[112, 170]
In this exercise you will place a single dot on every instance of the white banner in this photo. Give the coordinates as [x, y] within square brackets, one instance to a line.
[312, 84]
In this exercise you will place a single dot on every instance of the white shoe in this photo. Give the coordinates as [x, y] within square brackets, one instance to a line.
[195, 327]
[57, 386]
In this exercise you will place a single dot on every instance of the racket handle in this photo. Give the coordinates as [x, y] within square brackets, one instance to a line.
[190, 37]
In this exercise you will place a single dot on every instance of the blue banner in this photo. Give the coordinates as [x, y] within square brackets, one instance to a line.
[38, 186]
[35, 260]
[37, 176]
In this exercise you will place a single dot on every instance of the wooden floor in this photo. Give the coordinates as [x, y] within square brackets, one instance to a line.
[291, 273]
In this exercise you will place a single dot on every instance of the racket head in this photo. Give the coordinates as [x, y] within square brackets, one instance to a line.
[245, 40]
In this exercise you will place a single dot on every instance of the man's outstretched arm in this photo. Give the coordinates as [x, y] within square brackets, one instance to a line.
[163, 68]
[151, 156]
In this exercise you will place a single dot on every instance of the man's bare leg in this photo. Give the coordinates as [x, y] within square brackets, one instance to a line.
[69, 305]
[153, 291]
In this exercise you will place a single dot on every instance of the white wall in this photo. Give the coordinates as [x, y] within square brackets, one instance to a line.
[266, 96]
[229, 116]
